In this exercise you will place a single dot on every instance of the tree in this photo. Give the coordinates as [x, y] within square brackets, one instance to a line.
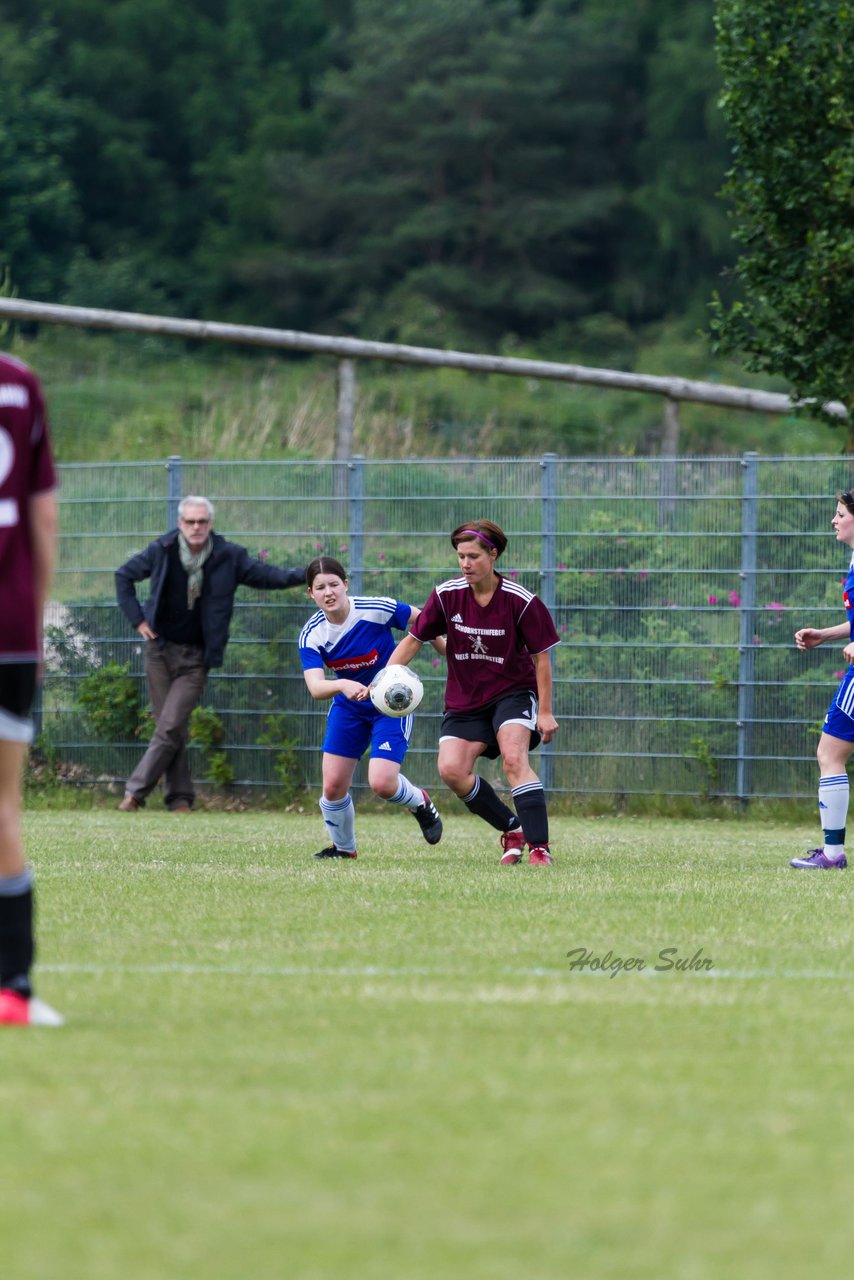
[680, 161]
[788, 99]
[39, 216]
[161, 118]
[472, 180]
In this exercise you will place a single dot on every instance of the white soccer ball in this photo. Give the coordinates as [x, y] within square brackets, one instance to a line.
[396, 691]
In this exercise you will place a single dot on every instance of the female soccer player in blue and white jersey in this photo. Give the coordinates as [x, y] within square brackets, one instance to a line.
[498, 698]
[837, 739]
[351, 636]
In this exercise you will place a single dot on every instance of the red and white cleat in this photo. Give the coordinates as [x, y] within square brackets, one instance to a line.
[512, 842]
[540, 856]
[23, 1011]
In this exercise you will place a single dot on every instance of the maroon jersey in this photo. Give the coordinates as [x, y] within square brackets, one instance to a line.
[26, 468]
[489, 646]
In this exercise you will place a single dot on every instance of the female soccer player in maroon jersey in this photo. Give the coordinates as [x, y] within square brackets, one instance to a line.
[498, 697]
[28, 522]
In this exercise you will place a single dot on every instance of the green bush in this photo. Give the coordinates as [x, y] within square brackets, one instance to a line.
[112, 707]
[274, 733]
[208, 732]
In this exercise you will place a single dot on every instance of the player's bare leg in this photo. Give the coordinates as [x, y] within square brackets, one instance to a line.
[18, 1006]
[387, 782]
[456, 763]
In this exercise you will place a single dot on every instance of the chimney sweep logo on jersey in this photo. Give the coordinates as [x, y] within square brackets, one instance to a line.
[477, 642]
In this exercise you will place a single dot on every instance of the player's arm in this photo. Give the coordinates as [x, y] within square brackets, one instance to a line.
[440, 643]
[320, 687]
[405, 651]
[546, 723]
[811, 637]
[44, 526]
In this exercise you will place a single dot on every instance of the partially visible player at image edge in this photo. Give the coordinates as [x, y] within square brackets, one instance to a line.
[352, 637]
[28, 534]
[837, 739]
[498, 697]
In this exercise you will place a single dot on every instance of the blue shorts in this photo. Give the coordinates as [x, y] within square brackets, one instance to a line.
[351, 727]
[839, 721]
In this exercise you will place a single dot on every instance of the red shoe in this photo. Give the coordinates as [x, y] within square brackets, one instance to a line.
[512, 842]
[26, 1011]
[540, 856]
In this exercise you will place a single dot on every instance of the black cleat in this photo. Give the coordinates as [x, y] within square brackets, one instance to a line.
[332, 852]
[427, 817]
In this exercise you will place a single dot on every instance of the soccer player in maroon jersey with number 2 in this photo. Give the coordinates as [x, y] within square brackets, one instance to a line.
[28, 524]
[498, 697]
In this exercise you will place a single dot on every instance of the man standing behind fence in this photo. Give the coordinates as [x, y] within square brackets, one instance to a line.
[194, 575]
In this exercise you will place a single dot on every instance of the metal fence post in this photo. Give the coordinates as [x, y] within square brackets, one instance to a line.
[669, 450]
[356, 482]
[173, 489]
[346, 417]
[746, 647]
[344, 427]
[548, 567]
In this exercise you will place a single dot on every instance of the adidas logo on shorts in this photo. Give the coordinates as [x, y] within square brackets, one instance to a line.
[384, 746]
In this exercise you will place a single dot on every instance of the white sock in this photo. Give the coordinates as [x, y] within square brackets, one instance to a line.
[412, 797]
[340, 819]
[833, 813]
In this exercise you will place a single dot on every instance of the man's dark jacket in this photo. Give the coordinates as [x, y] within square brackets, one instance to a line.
[227, 567]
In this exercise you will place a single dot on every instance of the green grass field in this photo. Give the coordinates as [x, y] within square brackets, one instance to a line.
[274, 1067]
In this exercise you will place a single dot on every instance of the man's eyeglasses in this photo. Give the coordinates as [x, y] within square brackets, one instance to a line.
[184, 520]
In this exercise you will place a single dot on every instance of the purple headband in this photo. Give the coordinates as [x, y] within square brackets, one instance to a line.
[474, 533]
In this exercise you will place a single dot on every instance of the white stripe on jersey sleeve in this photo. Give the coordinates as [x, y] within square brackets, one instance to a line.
[453, 584]
[313, 623]
[516, 589]
[372, 609]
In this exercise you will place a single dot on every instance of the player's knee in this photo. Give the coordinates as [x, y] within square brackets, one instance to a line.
[10, 817]
[515, 764]
[832, 757]
[332, 793]
[456, 777]
[449, 771]
[384, 788]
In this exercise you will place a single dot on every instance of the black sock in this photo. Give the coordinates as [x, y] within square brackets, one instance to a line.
[483, 801]
[17, 947]
[530, 802]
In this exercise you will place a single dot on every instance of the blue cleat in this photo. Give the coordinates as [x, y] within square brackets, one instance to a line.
[815, 860]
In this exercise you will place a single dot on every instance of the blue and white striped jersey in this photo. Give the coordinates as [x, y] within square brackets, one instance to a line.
[359, 647]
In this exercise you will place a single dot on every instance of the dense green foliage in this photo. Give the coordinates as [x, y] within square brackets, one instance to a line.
[469, 171]
[789, 105]
[111, 702]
